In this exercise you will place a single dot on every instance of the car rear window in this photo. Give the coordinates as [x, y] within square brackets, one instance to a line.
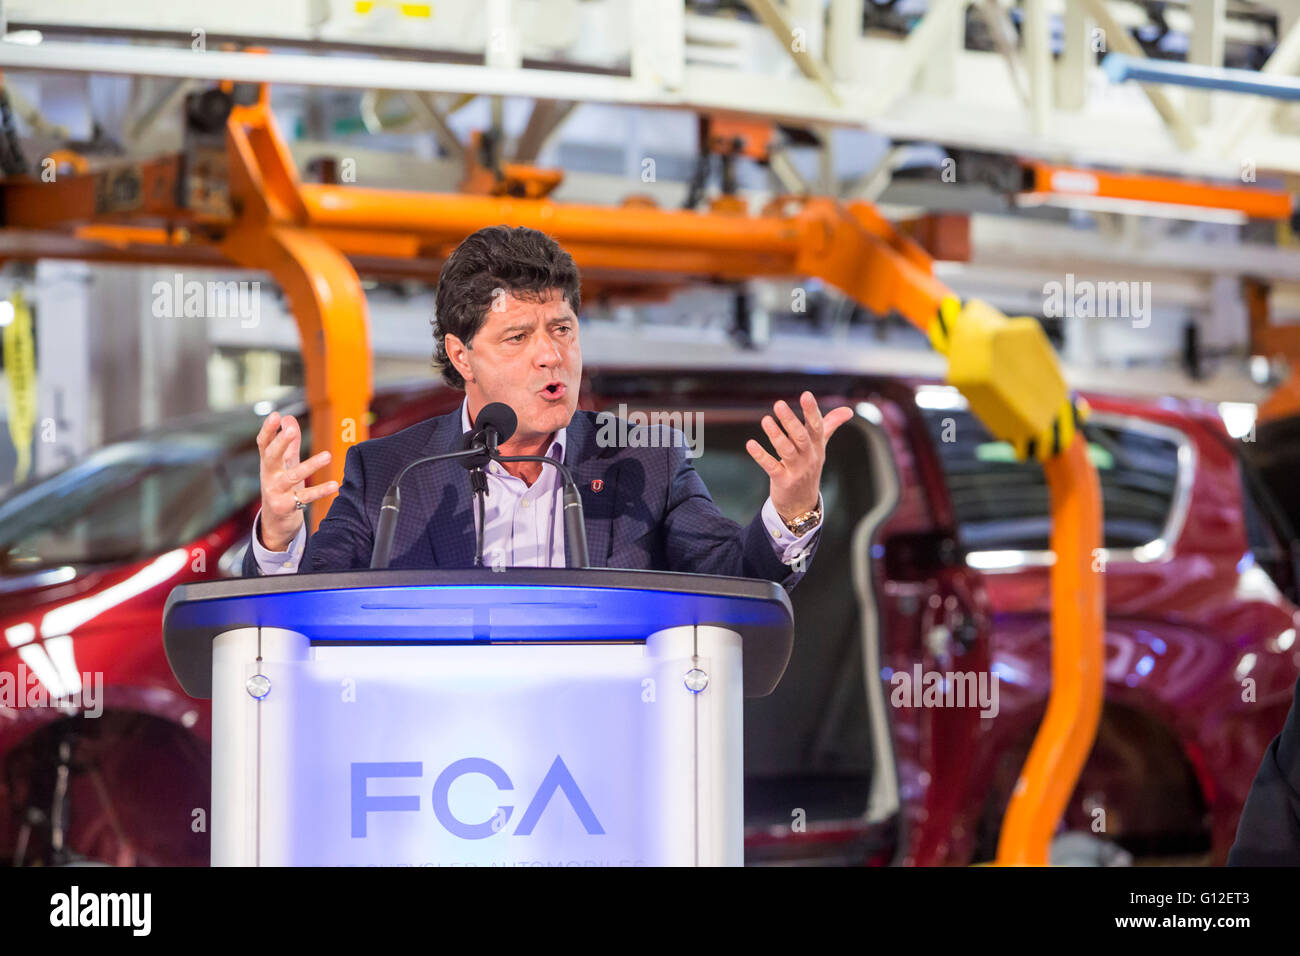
[1000, 503]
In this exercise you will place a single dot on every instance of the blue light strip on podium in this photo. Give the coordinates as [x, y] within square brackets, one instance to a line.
[471, 605]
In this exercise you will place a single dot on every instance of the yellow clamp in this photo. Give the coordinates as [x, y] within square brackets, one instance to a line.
[1009, 373]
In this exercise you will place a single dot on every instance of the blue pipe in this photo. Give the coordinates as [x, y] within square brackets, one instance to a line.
[1120, 67]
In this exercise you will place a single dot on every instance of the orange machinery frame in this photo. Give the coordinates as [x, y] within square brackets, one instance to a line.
[314, 239]
[1046, 180]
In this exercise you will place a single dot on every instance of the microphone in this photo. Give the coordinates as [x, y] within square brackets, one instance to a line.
[495, 423]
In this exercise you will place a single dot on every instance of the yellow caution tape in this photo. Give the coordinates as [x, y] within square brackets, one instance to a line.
[20, 373]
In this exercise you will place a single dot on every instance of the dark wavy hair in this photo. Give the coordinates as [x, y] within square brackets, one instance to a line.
[524, 262]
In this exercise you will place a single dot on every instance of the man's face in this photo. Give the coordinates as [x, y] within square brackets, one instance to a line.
[527, 355]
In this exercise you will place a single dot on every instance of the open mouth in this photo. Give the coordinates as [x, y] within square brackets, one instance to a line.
[554, 390]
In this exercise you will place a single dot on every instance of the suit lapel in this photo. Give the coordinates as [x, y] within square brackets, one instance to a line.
[590, 464]
[442, 489]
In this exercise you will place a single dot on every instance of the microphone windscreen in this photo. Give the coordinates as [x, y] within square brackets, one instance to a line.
[498, 416]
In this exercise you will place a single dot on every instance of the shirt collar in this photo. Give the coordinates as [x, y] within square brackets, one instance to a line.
[555, 450]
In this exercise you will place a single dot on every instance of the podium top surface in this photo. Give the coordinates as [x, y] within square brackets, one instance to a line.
[476, 605]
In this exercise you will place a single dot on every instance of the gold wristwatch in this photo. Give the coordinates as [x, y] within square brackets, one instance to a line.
[801, 523]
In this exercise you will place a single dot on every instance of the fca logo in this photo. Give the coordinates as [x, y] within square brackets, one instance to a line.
[557, 778]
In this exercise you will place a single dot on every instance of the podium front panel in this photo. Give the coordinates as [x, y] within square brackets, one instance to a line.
[594, 754]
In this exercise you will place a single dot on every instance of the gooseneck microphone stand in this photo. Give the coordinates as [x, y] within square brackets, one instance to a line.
[484, 442]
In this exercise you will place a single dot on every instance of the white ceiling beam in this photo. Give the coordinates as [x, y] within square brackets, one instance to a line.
[335, 72]
[164, 102]
[1076, 57]
[842, 36]
[29, 113]
[503, 50]
[938, 76]
[787, 175]
[984, 112]
[871, 184]
[775, 18]
[1285, 61]
[1117, 38]
[1205, 49]
[425, 105]
[925, 41]
[1003, 32]
[547, 117]
[1036, 46]
[658, 43]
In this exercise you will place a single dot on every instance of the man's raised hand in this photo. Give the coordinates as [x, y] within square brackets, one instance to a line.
[283, 477]
[796, 477]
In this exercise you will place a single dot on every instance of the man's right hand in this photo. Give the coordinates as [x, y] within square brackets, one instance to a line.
[283, 476]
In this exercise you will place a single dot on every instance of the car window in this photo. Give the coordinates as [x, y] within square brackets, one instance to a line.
[1000, 503]
[1267, 531]
[132, 499]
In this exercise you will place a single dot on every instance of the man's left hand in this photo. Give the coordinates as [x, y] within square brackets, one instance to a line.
[797, 476]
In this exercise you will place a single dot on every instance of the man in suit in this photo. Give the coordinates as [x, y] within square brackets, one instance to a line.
[507, 331]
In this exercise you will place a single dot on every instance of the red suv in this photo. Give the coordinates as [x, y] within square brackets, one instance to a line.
[933, 560]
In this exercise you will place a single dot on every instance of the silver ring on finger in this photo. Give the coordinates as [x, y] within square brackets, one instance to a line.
[301, 505]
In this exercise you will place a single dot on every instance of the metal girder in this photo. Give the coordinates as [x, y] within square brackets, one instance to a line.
[165, 102]
[787, 174]
[773, 16]
[30, 114]
[1117, 38]
[337, 72]
[447, 138]
[794, 99]
[1037, 50]
[843, 31]
[938, 76]
[927, 35]
[1284, 62]
[1206, 49]
[1076, 57]
[1003, 32]
[546, 118]
[875, 181]
[658, 35]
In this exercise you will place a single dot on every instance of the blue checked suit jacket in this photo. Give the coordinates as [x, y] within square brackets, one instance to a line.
[653, 512]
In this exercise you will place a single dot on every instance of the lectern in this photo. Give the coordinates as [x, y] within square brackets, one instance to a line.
[515, 717]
